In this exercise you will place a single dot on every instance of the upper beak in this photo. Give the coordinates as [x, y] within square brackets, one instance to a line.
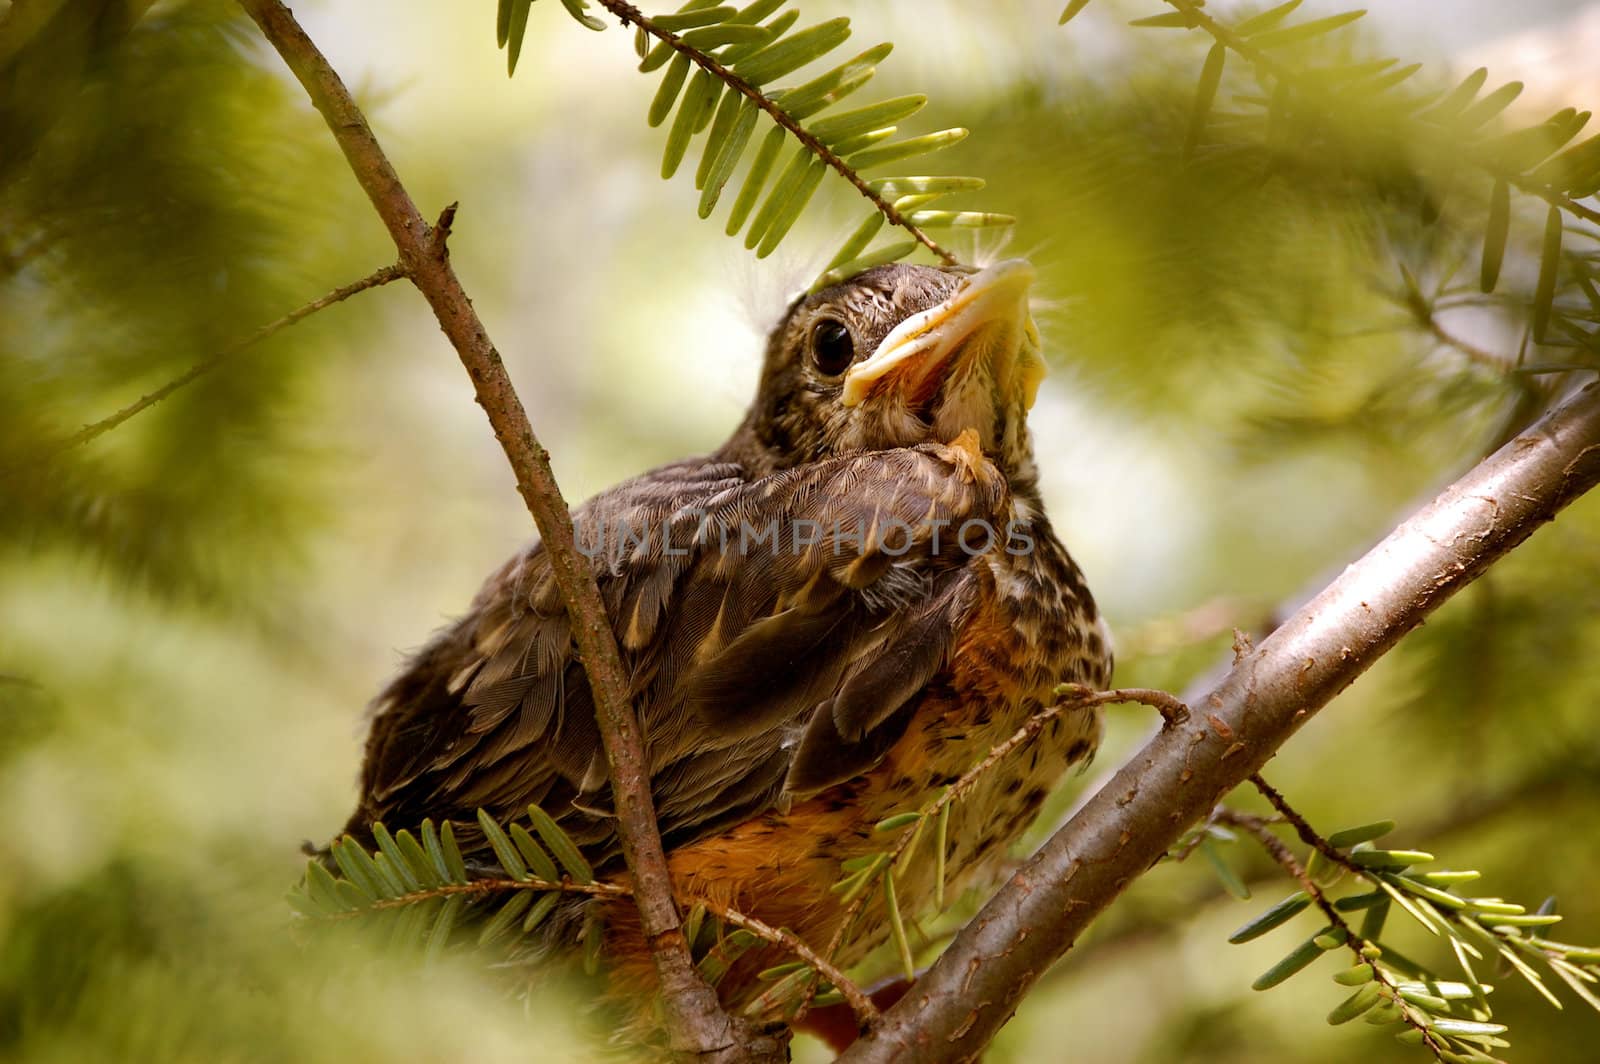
[985, 320]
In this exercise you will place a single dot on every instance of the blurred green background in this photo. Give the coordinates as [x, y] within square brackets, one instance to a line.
[195, 608]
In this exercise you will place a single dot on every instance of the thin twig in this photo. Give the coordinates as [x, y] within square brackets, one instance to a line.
[852, 993]
[1072, 696]
[1260, 829]
[99, 428]
[627, 14]
[695, 1020]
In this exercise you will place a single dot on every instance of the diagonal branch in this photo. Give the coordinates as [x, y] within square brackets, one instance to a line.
[1274, 688]
[695, 1020]
[374, 279]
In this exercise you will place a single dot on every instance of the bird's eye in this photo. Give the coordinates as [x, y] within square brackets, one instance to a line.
[832, 347]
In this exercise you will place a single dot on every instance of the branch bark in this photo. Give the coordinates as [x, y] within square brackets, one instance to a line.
[1181, 774]
[696, 1022]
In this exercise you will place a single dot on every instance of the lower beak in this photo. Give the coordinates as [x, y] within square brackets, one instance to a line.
[985, 324]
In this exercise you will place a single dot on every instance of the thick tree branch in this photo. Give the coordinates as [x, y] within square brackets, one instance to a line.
[1273, 689]
[695, 1020]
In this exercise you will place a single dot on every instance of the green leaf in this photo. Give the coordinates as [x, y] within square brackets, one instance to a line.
[897, 927]
[838, 127]
[959, 219]
[560, 843]
[941, 840]
[1374, 919]
[1360, 901]
[906, 149]
[502, 21]
[452, 853]
[1073, 7]
[1359, 975]
[443, 925]
[1305, 31]
[887, 253]
[866, 140]
[1356, 1004]
[300, 901]
[755, 178]
[1466, 1028]
[1544, 294]
[539, 862]
[390, 875]
[793, 52]
[397, 860]
[890, 187]
[1172, 20]
[722, 127]
[1279, 914]
[1440, 898]
[500, 924]
[1294, 963]
[899, 820]
[516, 29]
[1458, 98]
[593, 939]
[504, 851]
[1389, 859]
[858, 240]
[417, 861]
[688, 20]
[1205, 94]
[776, 972]
[667, 92]
[724, 955]
[775, 29]
[728, 155]
[829, 88]
[1445, 990]
[1494, 236]
[576, 8]
[321, 890]
[755, 12]
[541, 909]
[1488, 107]
[1521, 149]
[1343, 840]
[1572, 166]
[1219, 864]
[786, 217]
[698, 100]
[693, 920]
[1445, 878]
[710, 37]
[1267, 19]
[357, 867]
[787, 186]
[852, 885]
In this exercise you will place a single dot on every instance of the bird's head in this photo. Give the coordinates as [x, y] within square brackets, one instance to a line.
[898, 356]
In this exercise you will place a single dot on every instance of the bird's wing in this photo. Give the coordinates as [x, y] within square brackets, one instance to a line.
[776, 632]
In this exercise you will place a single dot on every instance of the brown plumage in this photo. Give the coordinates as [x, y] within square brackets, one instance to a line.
[826, 621]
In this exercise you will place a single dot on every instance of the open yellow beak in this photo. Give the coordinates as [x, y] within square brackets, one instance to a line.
[986, 319]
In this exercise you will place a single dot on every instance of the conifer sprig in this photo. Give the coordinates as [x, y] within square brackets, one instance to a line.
[716, 63]
[1539, 161]
[426, 885]
[1451, 1017]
